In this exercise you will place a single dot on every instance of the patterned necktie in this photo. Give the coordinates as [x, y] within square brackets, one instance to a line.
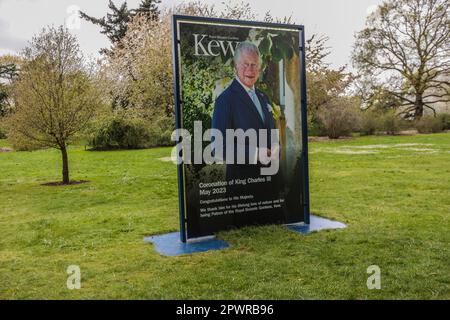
[256, 103]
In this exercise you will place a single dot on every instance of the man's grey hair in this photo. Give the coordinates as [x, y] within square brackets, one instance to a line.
[246, 46]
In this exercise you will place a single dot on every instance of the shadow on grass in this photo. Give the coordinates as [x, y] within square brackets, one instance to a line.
[61, 184]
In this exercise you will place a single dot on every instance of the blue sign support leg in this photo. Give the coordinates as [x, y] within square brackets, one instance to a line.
[306, 206]
[176, 72]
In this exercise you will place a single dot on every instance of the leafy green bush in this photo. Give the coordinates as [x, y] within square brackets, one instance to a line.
[429, 124]
[391, 122]
[2, 133]
[130, 133]
[444, 118]
[161, 132]
[370, 123]
[315, 127]
[4, 126]
[340, 117]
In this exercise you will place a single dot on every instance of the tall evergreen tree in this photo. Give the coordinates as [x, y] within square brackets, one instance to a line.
[9, 70]
[149, 8]
[115, 24]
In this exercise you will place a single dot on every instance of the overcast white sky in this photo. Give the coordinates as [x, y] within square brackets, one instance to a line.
[338, 19]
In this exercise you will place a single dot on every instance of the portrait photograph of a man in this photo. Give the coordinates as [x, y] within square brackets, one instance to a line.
[242, 106]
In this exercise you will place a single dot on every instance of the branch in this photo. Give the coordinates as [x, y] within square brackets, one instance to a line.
[429, 107]
[437, 95]
[437, 101]
[408, 110]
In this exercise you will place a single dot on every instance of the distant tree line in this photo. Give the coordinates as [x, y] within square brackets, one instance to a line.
[51, 96]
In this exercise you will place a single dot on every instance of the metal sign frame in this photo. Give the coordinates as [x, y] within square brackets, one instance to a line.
[176, 19]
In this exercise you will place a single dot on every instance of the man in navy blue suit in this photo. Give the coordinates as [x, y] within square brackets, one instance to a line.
[242, 106]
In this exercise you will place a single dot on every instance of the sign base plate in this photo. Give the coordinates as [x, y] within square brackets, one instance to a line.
[170, 244]
[316, 224]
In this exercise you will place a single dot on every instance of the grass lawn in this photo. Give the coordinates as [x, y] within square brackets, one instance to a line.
[393, 192]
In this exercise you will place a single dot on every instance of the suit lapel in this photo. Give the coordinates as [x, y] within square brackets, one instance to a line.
[245, 98]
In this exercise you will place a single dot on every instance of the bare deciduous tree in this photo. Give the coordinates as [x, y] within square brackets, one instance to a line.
[405, 49]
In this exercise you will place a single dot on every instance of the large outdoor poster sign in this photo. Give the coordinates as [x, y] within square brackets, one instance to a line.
[241, 120]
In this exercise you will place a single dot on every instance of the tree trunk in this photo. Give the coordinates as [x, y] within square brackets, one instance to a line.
[418, 113]
[65, 165]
